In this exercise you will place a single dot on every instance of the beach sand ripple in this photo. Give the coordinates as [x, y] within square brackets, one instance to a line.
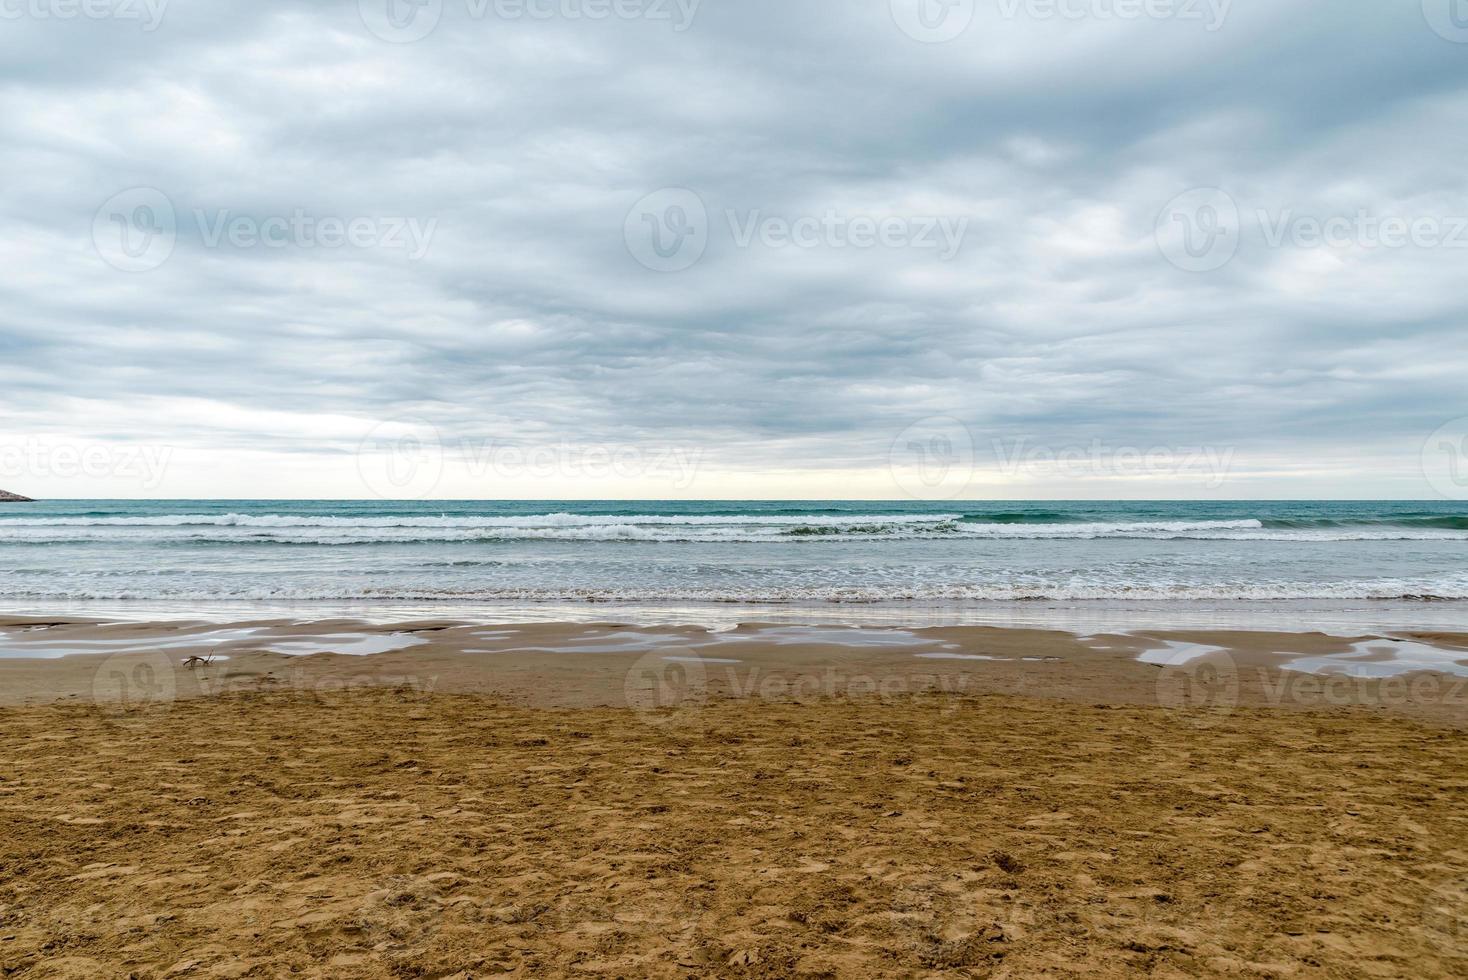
[391, 833]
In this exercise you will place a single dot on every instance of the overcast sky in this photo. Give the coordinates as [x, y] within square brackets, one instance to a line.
[658, 248]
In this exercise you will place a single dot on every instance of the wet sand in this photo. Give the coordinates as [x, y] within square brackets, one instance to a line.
[616, 665]
[761, 803]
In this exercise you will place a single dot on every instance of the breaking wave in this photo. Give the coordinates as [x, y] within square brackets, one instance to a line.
[262, 529]
[773, 595]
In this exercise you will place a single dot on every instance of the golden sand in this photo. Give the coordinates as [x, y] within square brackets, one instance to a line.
[393, 833]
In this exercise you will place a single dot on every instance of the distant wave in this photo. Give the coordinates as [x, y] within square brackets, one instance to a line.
[526, 521]
[1019, 517]
[1437, 521]
[865, 594]
[265, 529]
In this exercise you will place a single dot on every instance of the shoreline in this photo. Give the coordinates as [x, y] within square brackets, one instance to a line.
[120, 666]
[1078, 616]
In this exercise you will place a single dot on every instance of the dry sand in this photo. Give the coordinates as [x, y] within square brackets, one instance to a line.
[813, 810]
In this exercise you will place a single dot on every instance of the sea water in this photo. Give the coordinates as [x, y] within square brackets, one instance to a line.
[957, 561]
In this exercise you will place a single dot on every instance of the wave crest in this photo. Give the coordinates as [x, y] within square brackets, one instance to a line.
[262, 529]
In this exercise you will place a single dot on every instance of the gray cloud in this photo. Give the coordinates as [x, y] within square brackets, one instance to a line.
[1057, 141]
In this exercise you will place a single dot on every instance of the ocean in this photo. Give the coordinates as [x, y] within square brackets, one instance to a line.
[1276, 561]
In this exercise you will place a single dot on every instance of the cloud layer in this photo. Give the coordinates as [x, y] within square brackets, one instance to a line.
[792, 241]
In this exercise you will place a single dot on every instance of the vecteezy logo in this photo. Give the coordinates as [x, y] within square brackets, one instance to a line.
[665, 685]
[933, 21]
[127, 682]
[668, 230]
[1198, 231]
[135, 230]
[401, 459]
[400, 21]
[933, 459]
[1445, 459]
[1447, 18]
[1206, 683]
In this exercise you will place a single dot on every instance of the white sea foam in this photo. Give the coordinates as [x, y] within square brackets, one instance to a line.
[1455, 589]
[660, 528]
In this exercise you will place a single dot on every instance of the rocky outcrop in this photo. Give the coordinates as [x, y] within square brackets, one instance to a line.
[13, 498]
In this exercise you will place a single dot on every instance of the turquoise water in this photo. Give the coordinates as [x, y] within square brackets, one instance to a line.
[187, 554]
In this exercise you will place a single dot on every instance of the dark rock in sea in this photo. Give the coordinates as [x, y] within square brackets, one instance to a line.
[14, 498]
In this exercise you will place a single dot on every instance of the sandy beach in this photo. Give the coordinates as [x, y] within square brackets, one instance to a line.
[572, 799]
[646, 488]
